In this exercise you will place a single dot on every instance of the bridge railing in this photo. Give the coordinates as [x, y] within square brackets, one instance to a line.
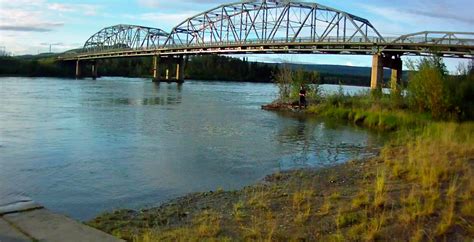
[435, 41]
[329, 39]
[280, 41]
[357, 40]
[338, 40]
[438, 38]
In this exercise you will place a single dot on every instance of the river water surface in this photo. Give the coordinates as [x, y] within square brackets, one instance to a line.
[82, 147]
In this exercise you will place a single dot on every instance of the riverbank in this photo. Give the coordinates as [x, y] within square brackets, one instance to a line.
[376, 118]
[420, 186]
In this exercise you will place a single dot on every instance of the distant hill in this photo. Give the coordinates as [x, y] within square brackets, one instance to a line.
[340, 74]
[342, 70]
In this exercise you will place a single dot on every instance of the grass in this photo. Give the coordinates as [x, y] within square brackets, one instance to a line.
[374, 226]
[238, 211]
[447, 218]
[467, 209]
[325, 208]
[302, 205]
[207, 224]
[379, 112]
[379, 191]
[302, 198]
[345, 219]
[419, 188]
[380, 119]
[360, 200]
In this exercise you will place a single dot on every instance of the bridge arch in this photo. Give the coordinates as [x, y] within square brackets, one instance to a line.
[126, 37]
[272, 21]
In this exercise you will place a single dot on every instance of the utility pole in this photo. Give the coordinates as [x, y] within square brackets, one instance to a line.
[50, 46]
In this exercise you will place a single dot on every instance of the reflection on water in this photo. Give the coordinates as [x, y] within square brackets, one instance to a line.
[82, 147]
[146, 101]
[335, 142]
[171, 97]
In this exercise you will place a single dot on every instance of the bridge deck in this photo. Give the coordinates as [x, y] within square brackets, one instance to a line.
[447, 50]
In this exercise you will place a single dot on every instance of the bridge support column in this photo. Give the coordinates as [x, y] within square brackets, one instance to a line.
[95, 67]
[168, 63]
[377, 72]
[379, 61]
[78, 70]
[180, 70]
[156, 69]
[397, 71]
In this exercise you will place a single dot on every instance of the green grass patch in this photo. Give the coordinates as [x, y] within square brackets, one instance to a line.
[385, 120]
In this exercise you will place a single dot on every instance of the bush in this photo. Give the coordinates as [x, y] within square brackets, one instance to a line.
[426, 88]
[431, 89]
[289, 83]
[284, 80]
[460, 94]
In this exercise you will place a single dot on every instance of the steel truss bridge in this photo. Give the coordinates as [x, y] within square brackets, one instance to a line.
[271, 27]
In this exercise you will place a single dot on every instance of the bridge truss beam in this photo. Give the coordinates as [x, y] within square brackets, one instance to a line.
[271, 26]
[125, 37]
[270, 22]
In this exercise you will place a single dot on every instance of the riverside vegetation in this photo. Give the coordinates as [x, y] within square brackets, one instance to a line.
[431, 95]
[210, 67]
[419, 188]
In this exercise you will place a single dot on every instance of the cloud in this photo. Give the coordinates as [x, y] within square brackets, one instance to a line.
[23, 23]
[38, 15]
[164, 21]
[55, 44]
[186, 4]
[45, 27]
[171, 18]
[26, 20]
[87, 9]
[61, 7]
[25, 3]
[408, 17]
[469, 19]
[149, 3]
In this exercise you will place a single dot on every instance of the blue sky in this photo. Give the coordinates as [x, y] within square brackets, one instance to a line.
[30, 26]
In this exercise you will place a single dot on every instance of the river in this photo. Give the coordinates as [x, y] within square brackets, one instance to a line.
[82, 147]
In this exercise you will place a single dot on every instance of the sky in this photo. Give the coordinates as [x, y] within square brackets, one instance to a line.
[32, 26]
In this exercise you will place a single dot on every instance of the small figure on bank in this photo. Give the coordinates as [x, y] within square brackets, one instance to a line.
[303, 97]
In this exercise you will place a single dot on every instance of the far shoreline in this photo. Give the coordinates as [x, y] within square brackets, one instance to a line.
[187, 79]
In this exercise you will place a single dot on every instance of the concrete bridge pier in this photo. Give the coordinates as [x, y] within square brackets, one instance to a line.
[397, 71]
[180, 69]
[78, 69]
[379, 61]
[156, 69]
[94, 69]
[377, 72]
[176, 64]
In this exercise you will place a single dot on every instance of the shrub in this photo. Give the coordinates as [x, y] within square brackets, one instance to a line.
[284, 80]
[460, 94]
[289, 83]
[426, 88]
[446, 97]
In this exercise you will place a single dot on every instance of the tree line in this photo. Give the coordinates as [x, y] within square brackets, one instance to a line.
[210, 67]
